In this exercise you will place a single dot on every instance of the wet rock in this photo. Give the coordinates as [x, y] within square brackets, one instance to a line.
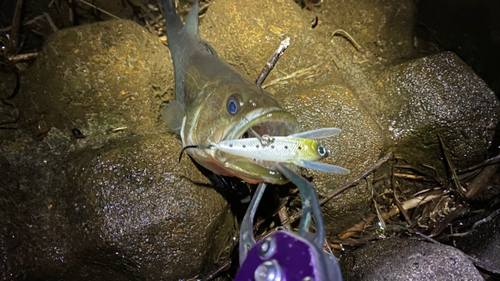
[17, 247]
[143, 208]
[8, 81]
[114, 201]
[358, 145]
[97, 78]
[9, 114]
[483, 242]
[383, 29]
[419, 99]
[127, 206]
[403, 259]
[94, 271]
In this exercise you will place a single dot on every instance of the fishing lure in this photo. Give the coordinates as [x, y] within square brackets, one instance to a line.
[277, 149]
[299, 149]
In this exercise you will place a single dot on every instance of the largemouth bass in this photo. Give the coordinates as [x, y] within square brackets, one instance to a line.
[215, 103]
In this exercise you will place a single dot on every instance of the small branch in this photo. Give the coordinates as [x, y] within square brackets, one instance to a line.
[14, 35]
[52, 25]
[272, 62]
[480, 182]
[411, 177]
[379, 214]
[490, 161]
[454, 176]
[485, 266]
[95, 7]
[402, 210]
[476, 224]
[294, 75]
[356, 180]
[348, 36]
[22, 57]
[356, 228]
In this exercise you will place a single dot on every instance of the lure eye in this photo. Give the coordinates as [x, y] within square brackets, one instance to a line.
[322, 150]
[233, 105]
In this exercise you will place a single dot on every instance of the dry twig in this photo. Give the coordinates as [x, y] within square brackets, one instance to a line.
[99, 9]
[293, 75]
[16, 20]
[454, 176]
[480, 182]
[272, 62]
[356, 228]
[490, 161]
[348, 36]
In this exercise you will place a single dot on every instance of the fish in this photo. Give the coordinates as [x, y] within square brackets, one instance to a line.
[216, 103]
[298, 149]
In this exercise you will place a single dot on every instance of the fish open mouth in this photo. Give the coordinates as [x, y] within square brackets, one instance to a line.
[272, 123]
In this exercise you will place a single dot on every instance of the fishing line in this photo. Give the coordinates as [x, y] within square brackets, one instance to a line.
[252, 130]
[265, 140]
[193, 146]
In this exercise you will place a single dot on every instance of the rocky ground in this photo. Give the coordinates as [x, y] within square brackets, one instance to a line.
[90, 186]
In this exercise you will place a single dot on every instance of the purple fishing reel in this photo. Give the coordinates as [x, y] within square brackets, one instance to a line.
[287, 256]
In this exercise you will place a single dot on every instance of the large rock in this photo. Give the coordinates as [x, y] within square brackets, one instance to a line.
[358, 145]
[97, 78]
[114, 201]
[144, 209]
[483, 242]
[418, 99]
[128, 205]
[403, 259]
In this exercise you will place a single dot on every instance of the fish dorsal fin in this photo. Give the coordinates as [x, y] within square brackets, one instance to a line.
[321, 167]
[210, 49]
[172, 114]
[317, 134]
[191, 25]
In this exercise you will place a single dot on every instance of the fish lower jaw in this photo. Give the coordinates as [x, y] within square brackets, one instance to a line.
[246, 169]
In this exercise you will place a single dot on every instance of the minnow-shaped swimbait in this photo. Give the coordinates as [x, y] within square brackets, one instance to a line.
[299, 149]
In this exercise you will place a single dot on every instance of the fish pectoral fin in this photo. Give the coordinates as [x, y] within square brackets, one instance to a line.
[321, 167]
[318, 134]
[172, 114]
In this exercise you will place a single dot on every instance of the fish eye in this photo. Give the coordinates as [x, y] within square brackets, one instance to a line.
[233, 105]
[321, 150]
